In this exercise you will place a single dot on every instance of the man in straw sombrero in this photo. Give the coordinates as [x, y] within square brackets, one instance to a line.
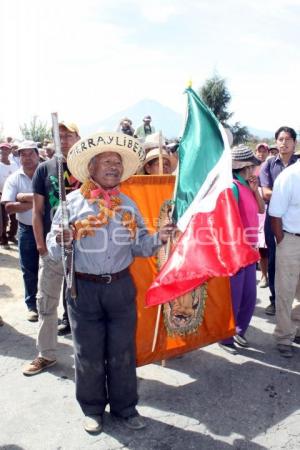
[107, 233]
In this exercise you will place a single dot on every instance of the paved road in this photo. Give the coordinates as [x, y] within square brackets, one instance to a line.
[206, 399]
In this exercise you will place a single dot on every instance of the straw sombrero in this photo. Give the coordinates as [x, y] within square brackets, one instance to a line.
[129, 148]
[154, 154]
[152, 141]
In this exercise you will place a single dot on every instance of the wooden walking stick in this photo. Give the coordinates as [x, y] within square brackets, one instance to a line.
[67, 253]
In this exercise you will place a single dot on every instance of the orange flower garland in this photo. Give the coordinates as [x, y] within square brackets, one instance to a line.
[129, 222]
[86, 227]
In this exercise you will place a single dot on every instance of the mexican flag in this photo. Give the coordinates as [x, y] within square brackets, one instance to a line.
[212, 242]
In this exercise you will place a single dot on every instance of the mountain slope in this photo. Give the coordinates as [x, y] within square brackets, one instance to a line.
[163, 118]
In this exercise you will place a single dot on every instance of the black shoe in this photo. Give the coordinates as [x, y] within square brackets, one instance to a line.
[241, 340]
[32, 315]
[136, 422]
[230, 348]
[285, 350]
[63, 328]
[270, 310]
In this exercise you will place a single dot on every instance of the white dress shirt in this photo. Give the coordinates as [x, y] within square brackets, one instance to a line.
[16, 183]
[285, 200]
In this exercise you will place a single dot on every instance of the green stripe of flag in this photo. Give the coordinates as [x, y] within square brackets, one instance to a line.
[200, 149]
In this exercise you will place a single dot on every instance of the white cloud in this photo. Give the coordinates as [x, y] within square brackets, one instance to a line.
[279, 9]
[266, 10]
[158, 11]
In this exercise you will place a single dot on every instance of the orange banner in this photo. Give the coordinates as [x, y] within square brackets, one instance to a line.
[217, 322]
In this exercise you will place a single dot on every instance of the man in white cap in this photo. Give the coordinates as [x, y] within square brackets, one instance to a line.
[109, 232]
[17, 197]
[45, 203]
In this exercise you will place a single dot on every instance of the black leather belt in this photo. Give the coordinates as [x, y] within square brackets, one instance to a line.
[293, 234]
[24, 225]
[105, 278]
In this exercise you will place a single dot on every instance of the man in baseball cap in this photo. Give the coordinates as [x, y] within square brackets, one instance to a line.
[71, 126]
[46, 201]
[17, 197]
[262, 151]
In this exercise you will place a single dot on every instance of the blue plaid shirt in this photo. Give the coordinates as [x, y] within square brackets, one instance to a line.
[111, 249]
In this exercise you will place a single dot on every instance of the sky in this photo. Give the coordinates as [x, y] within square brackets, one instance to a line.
[91, 58]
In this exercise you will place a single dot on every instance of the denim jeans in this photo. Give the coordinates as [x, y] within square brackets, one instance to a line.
[29, 263]
[271, 244]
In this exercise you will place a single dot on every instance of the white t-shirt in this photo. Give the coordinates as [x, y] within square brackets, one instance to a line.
[5, 171]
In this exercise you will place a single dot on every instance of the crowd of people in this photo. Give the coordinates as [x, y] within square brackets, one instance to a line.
[266, 186]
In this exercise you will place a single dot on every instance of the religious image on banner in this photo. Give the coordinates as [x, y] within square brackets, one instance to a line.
[191, 321]
[184, 314]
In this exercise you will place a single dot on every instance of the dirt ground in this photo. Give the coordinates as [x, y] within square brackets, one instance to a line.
[206, 399]
[11, 283]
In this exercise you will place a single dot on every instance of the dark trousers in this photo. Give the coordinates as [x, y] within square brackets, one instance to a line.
[271, 244]
[243, 296]
[103, 323]
[65, 316]
[8, 233]
[29, 263]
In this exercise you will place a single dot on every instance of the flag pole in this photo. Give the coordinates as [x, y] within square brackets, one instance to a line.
[160, 156]
[168, 245]
[168, 248]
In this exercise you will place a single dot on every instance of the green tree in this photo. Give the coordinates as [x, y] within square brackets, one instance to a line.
[36, 130]
[240, 134]
[217, 97]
